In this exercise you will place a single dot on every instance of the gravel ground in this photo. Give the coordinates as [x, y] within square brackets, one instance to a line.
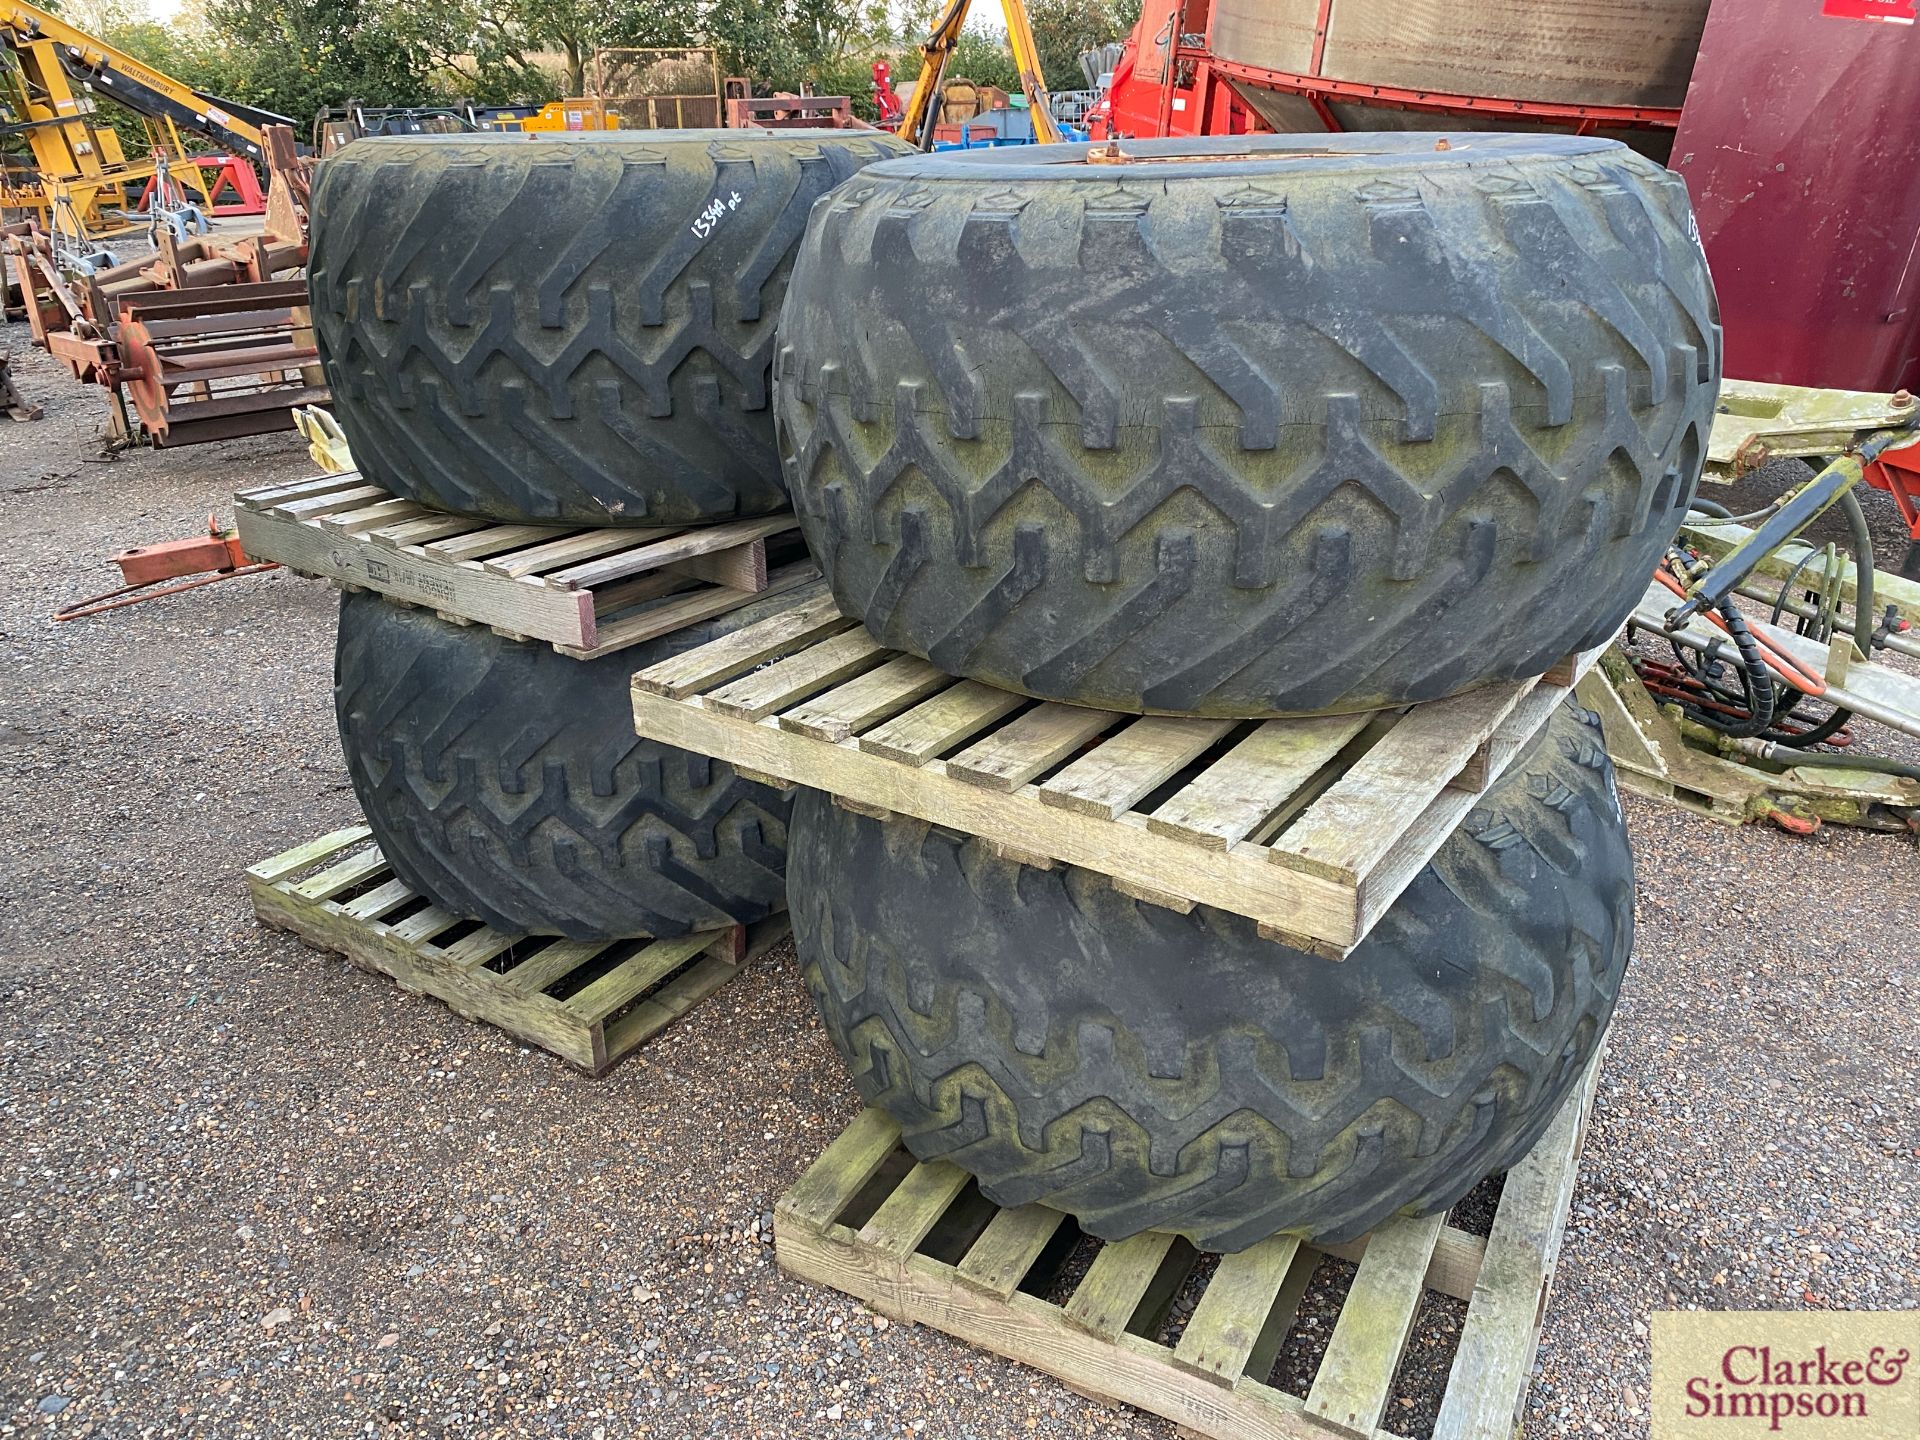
[251, 1190]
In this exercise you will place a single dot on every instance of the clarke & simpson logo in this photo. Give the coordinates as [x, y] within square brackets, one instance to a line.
[1797, 1374]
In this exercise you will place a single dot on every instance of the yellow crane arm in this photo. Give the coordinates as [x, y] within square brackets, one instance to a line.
[922, 113]
[134, 83]
[1026, 59]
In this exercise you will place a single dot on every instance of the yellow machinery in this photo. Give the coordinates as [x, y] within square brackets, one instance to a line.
[339, 125]
[581, 112]
[58, 70]
[923, 112]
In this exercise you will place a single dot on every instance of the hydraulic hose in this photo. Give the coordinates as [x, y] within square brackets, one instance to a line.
[1863, 621]
[1856, 519]
[1717, 511]
[1759, 684]
[1878, 764]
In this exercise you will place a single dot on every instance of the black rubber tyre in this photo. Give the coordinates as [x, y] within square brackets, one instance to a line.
[561, 327]
[504, 781]
[1141, 1069]
[1343, 423]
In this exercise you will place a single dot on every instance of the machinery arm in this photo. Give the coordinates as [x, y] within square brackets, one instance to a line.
[916, 126]
[1026, 59]
[136, 85]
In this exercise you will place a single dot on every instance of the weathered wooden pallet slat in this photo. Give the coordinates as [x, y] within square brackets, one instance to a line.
[373, 517]
[866, 701]
[581, 589]
[788, 681]
[427, 528]
[338, 893]
[1008, 1248]
[1340, 836]
[688, 608]
[1034, 742]
[1230, 800]
[1487, 1385]
[571, 550]
[1108, 779]
[477, 545]
[296, 489]
[1231, 1315]
[1350, 1390]
[1116, 1284]
[1312, 826]
[1108, 1336]
[905, 1217]
[936, 726]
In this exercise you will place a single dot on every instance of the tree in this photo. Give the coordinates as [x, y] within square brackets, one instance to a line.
[577, 28]
[295, 56]
[982, 56]
[788, 44]
[1064, 28]
[479, 48]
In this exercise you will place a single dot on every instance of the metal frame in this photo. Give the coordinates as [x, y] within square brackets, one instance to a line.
[651, 119]
[1320, 90]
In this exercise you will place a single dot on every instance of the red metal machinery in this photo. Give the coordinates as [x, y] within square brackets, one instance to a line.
[1800, 144]
[196, 341]
[1612, 67]
[793, 112]
[885, 98]
[1798, 130]
[232, 187]
[214, 556]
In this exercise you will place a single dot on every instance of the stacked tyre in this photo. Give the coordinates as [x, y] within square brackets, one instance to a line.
[570, 330]
[1249, 427]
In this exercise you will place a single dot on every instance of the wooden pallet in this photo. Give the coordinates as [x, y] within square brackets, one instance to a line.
[586, 591]
[917, 1242]
[1312, 827]
[589, 1002]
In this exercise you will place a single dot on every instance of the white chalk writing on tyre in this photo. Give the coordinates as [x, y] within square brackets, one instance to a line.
[704, 222]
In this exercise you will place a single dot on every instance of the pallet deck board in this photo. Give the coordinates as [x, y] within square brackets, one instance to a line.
[1351, 1387]
[806, 619]
[1116, 1283]
[1110, 778]
[575, 587]
[426, 528]
[1432, 744]
[568, 550]
[1033, 743]
[338, 893]
[866, 701]
[1510, 1292]
[937, 725]
[1231, 800]
[1312, 827]
[911, 1211]
[1008, 1248]
[1108, 1339]
[1230, 1317]
[657, 551]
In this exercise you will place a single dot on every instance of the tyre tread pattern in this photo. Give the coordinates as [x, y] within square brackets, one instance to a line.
[1141, 1069]
[557, 329]
[1249, 446]
[550, 817]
